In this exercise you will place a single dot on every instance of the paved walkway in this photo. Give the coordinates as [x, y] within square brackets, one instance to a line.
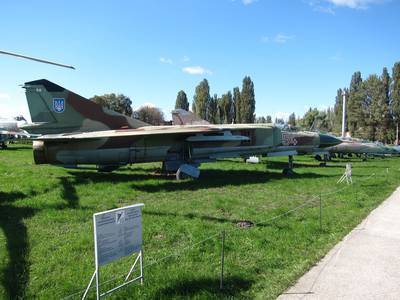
[364, 265]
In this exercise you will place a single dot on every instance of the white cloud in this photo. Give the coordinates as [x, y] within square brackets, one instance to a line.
[358, 4]
[186, 59]
[279, 38]
[328, 6]
[196, 70]
[282, 38]
[166, 60]
[248, 2]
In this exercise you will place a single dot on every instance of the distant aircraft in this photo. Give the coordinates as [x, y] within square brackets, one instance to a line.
[293, 142]
[10, 130]
[352, 146]
[90, 134]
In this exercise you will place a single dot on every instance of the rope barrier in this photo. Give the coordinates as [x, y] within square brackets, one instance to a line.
[191, 246]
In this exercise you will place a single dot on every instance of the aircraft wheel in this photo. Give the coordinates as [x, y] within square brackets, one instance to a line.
[323, 164]
[180, 175]
[3, 146]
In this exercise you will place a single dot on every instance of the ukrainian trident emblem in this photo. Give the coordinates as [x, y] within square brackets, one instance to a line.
[59, 105]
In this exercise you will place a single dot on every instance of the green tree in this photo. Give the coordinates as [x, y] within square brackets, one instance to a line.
[150, 115]
[268, 119]
[261, 120]
[395, 95]
[387, 114]
[373, 109]
[310, 118]
[292, 120]
[355, 105]
[225, 108]
[247, 101]
[201, 99]
[182, 101]
[119, 103]
[237, 105]
[213, 110]
[338, 112]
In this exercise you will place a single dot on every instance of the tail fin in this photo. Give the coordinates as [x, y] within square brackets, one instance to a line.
[183, 117]
[55, 109]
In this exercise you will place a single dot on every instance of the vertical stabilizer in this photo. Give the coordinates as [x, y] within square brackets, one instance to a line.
[55, 109]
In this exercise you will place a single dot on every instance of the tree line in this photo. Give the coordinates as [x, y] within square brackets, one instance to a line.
[123, 104]
[236, 106]
[372, 108]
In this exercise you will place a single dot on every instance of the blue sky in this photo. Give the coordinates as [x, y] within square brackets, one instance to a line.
[297, 52]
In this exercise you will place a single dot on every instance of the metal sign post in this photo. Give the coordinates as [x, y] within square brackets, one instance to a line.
[117, 234]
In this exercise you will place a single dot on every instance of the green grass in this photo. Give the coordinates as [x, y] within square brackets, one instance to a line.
[46, 238]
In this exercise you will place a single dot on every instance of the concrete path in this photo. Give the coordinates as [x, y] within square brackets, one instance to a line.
[364, 265]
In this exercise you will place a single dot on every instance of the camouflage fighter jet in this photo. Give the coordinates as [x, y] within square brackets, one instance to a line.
[293, 142]
[361, 148]
[90, 134]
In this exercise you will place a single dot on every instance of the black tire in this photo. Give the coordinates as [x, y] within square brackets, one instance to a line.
[180, 175]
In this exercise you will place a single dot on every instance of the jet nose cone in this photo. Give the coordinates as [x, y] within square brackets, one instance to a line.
[326, 140]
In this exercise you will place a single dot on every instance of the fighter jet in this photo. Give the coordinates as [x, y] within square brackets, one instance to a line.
[10, 130]
[90, 134]
[293, 142]
[358, 147]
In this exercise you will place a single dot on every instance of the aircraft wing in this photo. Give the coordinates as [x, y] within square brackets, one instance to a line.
[142, 131]
[14, 133]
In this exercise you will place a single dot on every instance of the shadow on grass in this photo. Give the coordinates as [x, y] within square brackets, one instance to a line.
[15, 148]
[11, 196]
[16, 274]
[220, 178]
[84, 177]
[281, 165]
[69, 192]
[196, 216]
[12, 221]
[192, 287]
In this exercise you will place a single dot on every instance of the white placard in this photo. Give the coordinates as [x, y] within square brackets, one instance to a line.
[118, 233]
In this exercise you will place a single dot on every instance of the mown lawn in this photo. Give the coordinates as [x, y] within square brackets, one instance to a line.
[46, 235]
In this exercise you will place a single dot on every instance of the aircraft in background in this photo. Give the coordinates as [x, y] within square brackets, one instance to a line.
[91, 135]
[292, 142]
[361, 148]
[10, 129]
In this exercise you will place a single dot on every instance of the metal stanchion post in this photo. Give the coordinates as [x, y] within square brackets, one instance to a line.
[221, 282]
[320, 212]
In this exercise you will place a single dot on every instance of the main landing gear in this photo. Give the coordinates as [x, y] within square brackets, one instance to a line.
[181, 169]
[326, 158]
[289, 170]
